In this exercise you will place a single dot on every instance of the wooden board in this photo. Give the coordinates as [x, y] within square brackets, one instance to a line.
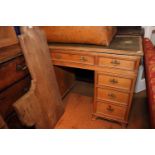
[42, 105]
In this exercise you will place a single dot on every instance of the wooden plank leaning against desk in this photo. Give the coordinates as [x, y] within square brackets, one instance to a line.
[115, 74]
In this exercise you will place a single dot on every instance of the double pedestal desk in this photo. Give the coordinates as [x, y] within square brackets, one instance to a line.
[115, 68]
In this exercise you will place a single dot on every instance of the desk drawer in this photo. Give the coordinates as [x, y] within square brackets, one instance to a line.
[117, 63]
[11, 94]
[114, 81]
[84, 59]
[11, 71]
[111, 110]
[112, 96]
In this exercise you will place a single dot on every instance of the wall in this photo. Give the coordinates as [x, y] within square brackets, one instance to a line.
[148, 33]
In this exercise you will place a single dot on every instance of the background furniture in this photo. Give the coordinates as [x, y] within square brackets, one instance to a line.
[15, 78]
[149, 59]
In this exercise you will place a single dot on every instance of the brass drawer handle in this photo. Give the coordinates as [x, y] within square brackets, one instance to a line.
[82, 58]
[115, 62]
[113, 81]
[21, 68]
[112, 96]
[110, 109]
[58, 56]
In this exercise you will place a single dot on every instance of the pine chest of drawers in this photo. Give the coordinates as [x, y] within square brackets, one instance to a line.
[115, 69]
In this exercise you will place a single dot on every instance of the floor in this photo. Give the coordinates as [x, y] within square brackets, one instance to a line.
[79, 109]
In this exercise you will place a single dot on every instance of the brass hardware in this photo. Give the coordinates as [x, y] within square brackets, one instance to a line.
[115, 62]
[112, 96]
[113, 81]
[58, 56]
[21, 68]
[109, 108]
[82, 58]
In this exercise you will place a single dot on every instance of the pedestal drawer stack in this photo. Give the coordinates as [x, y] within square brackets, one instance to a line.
[113, 91]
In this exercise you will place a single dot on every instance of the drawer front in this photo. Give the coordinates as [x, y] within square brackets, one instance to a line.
[12, 71]
[11, 94]
[112, 96]
[117, 63]
[114, 81]
[84, 59]
[110, 110]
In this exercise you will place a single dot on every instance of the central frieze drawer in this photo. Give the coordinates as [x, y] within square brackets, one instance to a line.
[85, 59]
[111, 110]
[117, 63]
[114, 81]
[112, 95]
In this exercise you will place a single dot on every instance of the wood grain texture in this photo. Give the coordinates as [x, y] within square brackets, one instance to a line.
[42, 105]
